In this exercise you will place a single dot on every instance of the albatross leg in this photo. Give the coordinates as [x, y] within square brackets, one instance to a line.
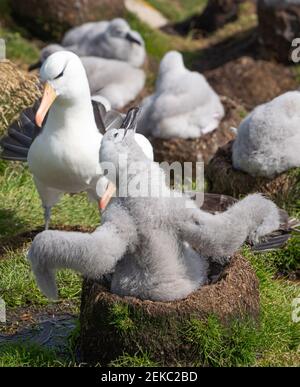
[49, 197]
[47, 216]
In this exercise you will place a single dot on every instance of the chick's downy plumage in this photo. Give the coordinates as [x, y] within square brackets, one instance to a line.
[156, 246]
[183, 105]
[268, 140]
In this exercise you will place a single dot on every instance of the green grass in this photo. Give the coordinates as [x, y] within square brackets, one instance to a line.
[18, 287]
[286, 259]
[157, 43]
[179, 9]
[119, 317]
[19, 49]
[278, 334]
[21, 207]
[220, 346]
[22, 355]
[139, 360]
[275, 341]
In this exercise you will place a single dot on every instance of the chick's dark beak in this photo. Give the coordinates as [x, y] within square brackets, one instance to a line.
[132, 39]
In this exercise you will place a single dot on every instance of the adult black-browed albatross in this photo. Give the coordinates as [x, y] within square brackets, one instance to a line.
[64, 156]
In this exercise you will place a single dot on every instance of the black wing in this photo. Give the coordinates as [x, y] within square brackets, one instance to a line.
[21, 134]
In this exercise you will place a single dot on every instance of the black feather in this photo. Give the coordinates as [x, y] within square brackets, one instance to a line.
[273, 243]
[22, 132]
[11, 156]
[20, 135]
[99, 113]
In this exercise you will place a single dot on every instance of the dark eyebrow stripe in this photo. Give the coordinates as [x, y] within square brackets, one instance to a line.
[62, 73]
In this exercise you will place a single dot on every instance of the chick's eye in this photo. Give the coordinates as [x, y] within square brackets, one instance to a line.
[116, 135]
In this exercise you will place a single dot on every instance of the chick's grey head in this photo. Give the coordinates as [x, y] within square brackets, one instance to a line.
[119, 146]
[173, 60]
[120, 29]
[124, 44]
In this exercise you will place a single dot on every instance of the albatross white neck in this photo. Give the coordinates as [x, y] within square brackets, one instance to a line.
[72, 114]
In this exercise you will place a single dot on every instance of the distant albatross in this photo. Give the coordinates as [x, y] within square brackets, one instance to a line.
[64, 156]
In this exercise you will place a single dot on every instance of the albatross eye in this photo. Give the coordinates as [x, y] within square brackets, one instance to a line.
[116, 135]
[59, 75]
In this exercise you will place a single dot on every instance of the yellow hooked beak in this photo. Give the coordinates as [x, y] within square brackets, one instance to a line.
[49, 97]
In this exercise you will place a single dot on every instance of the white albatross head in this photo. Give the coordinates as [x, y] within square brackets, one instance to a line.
[64, 77]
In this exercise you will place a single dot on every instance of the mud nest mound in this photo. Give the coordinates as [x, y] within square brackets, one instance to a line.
[50, 19]
[18, 90]
[112, 326]
[223, 178]
[251, 81]
[202, 148]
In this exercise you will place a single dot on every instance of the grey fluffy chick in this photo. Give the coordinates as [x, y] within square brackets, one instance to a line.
[268, 140]
[111, 40]
[156, 248]
[184, 104]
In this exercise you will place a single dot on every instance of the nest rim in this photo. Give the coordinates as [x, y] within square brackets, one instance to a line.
[237, 279]
[202, 148]
[223, 178]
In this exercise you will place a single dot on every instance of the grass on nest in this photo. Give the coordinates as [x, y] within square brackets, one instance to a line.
[119, 317]
[141, 359]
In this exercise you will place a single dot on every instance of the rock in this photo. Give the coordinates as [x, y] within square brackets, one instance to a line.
[202, 148]
[18, 90]
[50, 19]
[222, 178]
[216, 14]
[279, 25]
[112, 326]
